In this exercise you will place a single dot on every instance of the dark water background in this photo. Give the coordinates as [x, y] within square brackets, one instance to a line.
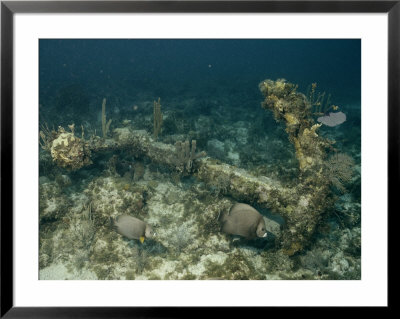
[169, 68]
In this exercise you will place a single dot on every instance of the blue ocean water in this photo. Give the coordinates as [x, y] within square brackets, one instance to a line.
[209, 91]
[169, 66]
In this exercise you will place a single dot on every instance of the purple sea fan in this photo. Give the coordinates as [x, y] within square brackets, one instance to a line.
[332, 119]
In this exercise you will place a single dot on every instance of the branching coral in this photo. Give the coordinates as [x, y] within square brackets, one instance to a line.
[293, 108]
[157, 118]
[105, 126]
[185, 156]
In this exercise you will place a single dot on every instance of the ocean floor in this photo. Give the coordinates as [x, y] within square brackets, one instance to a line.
[77, 240]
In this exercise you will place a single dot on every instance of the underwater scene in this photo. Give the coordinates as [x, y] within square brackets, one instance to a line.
[199, 159]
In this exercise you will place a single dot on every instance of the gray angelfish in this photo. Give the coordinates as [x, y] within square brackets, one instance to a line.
[243, 220]
[132, 228]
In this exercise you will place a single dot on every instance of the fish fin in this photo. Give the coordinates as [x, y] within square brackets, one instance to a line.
[141, 239]
[221, 216]
[232, 207]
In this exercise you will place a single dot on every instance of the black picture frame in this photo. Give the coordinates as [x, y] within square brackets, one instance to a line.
[9, 8]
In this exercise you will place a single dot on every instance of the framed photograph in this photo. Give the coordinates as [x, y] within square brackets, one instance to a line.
[164, 155]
